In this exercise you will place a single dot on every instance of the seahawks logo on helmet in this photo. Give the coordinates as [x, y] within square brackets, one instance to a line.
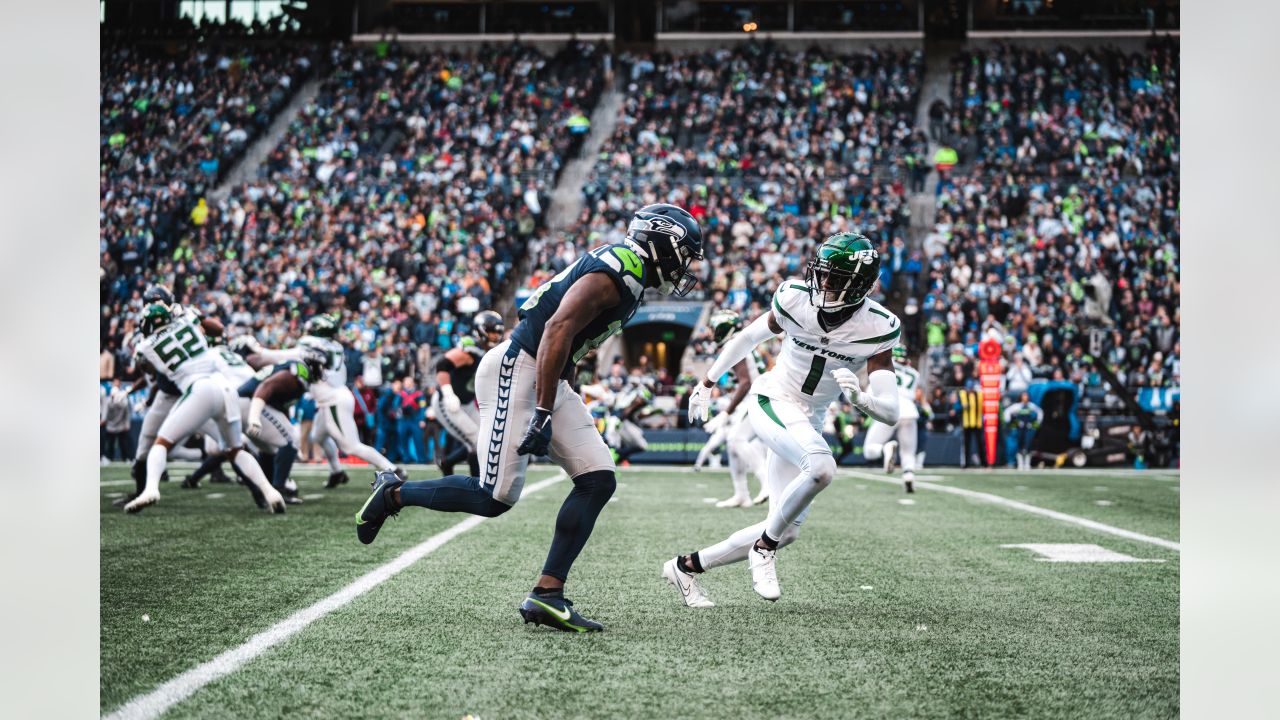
[489, 329]
[843, 272]
[670, 240]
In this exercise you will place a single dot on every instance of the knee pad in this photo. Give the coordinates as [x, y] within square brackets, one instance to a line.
[600, 483]
[822, 468]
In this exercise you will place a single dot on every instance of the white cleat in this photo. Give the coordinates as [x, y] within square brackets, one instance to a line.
[764, 573]
[274, 499]
[762, 498]
[890, 448]
[687, 584]
[909, 480]
[146, 499]
[735, 502]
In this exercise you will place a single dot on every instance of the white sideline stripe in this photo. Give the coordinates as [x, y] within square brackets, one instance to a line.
[998, 500]
[158, 701]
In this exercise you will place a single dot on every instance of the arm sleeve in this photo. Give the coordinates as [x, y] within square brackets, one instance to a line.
[740, 346]
[881, 400]
[280, 356]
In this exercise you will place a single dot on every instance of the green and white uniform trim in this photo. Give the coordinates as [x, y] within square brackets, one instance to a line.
[802, 372]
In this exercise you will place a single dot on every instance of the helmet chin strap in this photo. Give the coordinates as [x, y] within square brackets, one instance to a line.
[665, 286]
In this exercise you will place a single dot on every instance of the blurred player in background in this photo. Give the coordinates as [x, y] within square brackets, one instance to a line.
[744, 455]
[454, 402]
[335, 405]
[890, 442]
[175, 346]
[625, 437]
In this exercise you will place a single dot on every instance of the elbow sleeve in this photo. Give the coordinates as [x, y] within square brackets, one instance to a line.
[882, 398]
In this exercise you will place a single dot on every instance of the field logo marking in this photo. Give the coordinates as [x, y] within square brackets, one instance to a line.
[158, 701]
[1077, 553]
[1017, 505]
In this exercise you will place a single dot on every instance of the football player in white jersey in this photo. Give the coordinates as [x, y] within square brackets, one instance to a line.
[887, 441]
[454, 401]
[175, 346]
[335, 405]
[744, 457]
[163, 393]
[831, 330]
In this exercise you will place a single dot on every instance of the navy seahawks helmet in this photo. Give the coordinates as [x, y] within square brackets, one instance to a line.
[672, 240]
[489, 329]
[157, 294]
[316, 361]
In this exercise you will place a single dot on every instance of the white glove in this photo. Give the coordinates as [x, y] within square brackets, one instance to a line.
[848, 381]
[699, 403]
[451, 401]
[253, 426]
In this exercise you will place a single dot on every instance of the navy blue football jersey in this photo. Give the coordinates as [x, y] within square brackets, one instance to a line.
[293, 367]
[621, 264]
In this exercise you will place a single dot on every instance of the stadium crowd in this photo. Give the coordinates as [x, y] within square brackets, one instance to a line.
[769, 148]
[400, 198]
[1063, 213]
[404, 194]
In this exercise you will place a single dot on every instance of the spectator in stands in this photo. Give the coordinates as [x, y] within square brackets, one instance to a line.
[118, 444]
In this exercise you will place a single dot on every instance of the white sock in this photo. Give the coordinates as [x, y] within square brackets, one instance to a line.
[738, 474]
[157, 458]
[330, 449]
[252, 470]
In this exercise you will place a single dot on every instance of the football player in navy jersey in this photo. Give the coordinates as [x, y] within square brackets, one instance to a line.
[528, 407]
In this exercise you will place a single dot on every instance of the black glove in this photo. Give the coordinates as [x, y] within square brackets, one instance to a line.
[537, 439]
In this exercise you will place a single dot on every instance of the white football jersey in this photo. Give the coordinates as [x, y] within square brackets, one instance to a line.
[232, 366]
[179, 351]
[908, 381]
[802, 371]
[325, 392]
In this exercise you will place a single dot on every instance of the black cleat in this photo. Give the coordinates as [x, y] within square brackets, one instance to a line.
[190, 483]
[292, 500]
[911, 487]
[336, 479]
[401, 473]
[217, 475]
[555, 611]
[377, 508]
[164, 476]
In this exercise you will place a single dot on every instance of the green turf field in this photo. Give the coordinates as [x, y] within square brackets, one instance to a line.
[888, 609]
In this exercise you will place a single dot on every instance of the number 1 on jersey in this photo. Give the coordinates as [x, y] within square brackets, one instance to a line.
[815, 375]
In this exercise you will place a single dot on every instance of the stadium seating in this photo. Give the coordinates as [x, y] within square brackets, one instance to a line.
[770, 149]
[1064, 212]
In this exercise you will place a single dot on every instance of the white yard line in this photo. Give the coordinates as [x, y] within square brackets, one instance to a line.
[158, 701]
[1006, 502]
[1165, 474]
